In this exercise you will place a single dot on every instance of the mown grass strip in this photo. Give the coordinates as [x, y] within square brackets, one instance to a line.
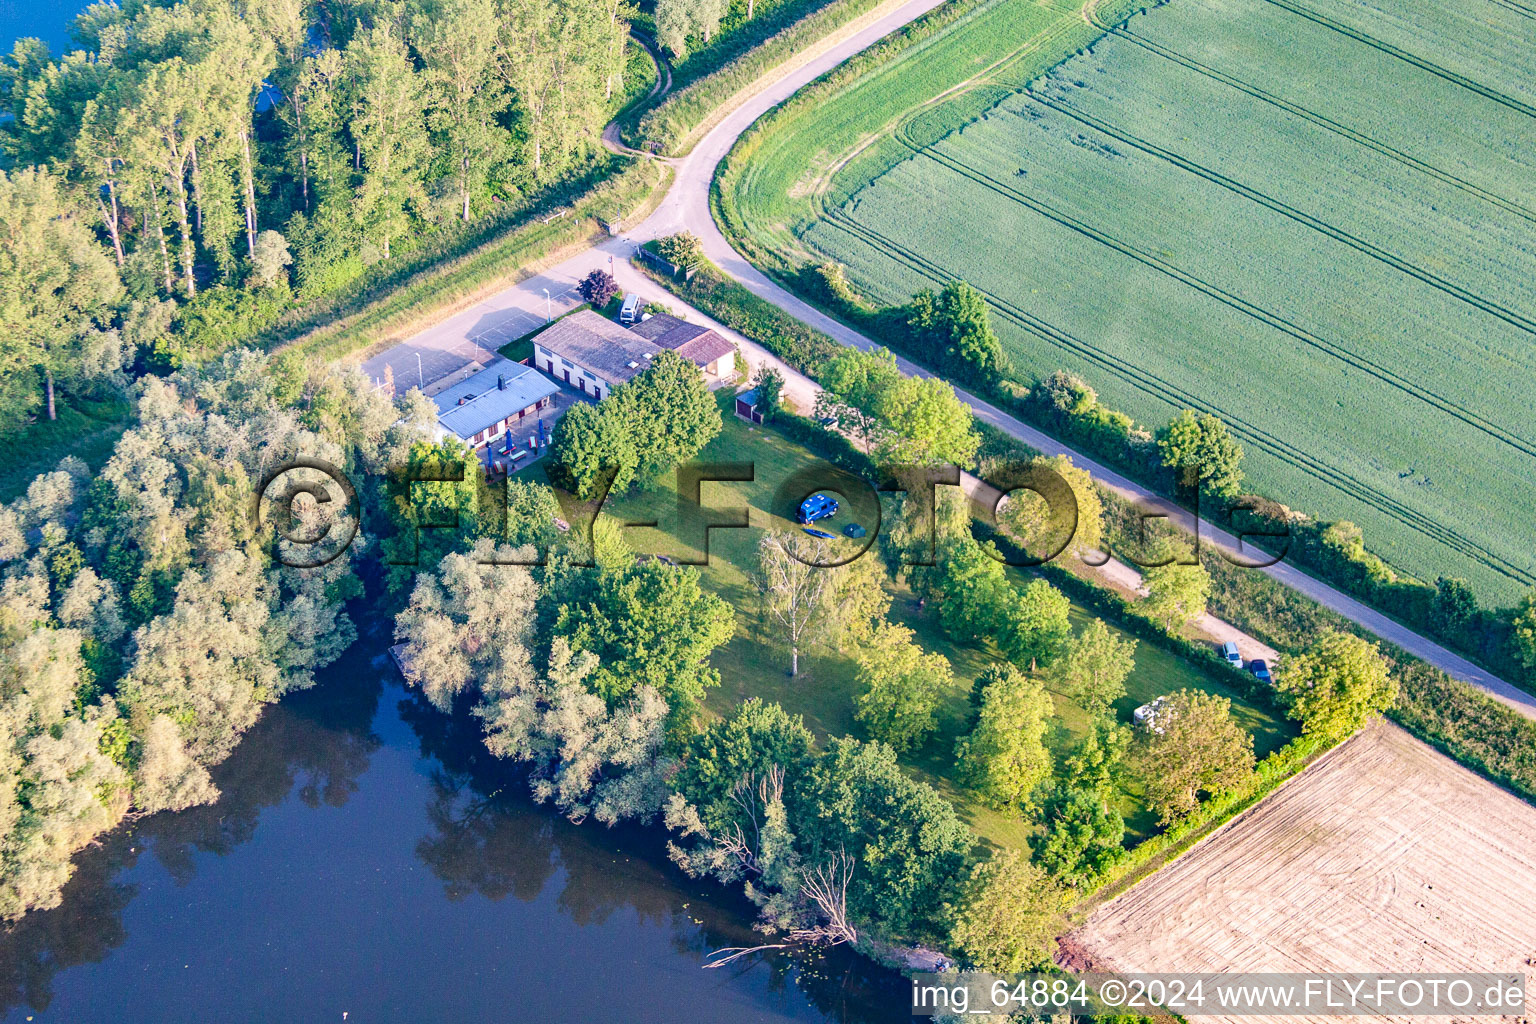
[440, 290]
[671, 125]
[85, 429]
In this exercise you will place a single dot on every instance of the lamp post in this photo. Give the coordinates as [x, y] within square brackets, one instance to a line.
[548, 316]
[420, 377]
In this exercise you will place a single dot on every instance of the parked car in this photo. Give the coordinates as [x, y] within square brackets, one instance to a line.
[1232, 654]
[630, 310]
[817, 506]
[830, 422]
[1260, 669]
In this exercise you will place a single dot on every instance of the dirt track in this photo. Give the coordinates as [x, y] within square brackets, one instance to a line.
[1384, 855]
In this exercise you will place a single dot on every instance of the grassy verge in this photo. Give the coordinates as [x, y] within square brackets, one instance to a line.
[671, 126]
[821, 146]
[460, 270]
[778, 172]
[1456, 718]
[452, 284]
[841, 130]
[1145, 858]
[639, 79]
[85, 429]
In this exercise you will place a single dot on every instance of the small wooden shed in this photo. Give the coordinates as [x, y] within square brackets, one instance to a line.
[746, 407]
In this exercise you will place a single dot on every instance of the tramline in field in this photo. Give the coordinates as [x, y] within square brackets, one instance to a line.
[1314, 219]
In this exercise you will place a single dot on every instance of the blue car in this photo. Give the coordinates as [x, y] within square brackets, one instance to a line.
[1232, 654]
[1260, 669]
[817, 506]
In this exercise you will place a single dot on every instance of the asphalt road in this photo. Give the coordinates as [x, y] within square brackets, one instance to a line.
[686, 208]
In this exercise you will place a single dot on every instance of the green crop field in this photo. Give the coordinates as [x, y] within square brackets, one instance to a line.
[755, 664]
[1315, 218]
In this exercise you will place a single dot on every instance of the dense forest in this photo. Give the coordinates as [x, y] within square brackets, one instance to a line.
[193, 170]
[144, 623]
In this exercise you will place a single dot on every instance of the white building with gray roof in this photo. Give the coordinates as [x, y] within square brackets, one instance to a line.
[482, 408]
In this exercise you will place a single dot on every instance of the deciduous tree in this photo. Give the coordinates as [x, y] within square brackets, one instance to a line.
[1176, 593]
[649, 624]
[1195, 748]
[1337, 684]
[1098, 762]
[1004, 757]
[853, 383]
[1029, 518]
[1204, 452]
[469, 626]
[905, 838]
[389, 130]
[768, 382]
[759, 738]
[592, 448]
[56, 288]
[1038, 625]
[796, 589]
[598, 288]
[270, 260]
[899, 687]
[955, 327]
[670, 412]
[1083, 835]
[927, 424]
[1524, 632]
[1006, 914]
[1095, 666]
[456, 40]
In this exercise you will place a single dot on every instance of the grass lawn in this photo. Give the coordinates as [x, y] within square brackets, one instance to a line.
[85, 429]
[753, 664]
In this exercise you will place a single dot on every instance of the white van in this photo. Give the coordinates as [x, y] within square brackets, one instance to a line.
[630, 309]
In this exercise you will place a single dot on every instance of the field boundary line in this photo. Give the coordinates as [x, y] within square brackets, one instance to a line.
[1322, 227]
[894, 126]
[1326, 123]
[795, 60]
[1517, 8]
[1252, 310]
[1148, 382]
[1407, 57]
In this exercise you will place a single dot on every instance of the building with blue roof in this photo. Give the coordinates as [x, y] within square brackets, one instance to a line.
[481, 408]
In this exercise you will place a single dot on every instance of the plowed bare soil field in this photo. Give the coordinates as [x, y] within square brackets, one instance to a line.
[1384, 855]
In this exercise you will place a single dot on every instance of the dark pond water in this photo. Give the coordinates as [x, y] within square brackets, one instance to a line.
[369, 862]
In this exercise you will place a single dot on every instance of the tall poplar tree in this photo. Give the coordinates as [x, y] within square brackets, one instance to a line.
[55, 282]
[390, 134]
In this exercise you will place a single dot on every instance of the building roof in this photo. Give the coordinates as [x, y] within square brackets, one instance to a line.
[618, 353]
[748, 397]
[699, 344]
[706, 348]
[591, 340]
[667, 330]
[502, 389]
